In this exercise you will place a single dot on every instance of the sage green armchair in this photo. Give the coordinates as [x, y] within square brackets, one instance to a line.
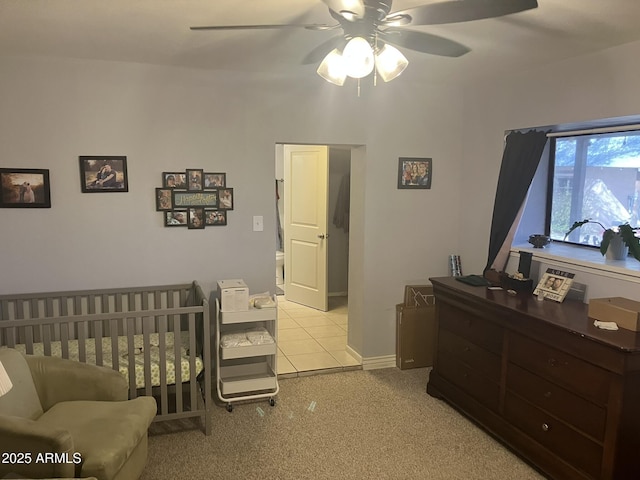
[69, 419]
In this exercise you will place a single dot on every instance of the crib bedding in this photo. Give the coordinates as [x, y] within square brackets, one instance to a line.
[123, 356]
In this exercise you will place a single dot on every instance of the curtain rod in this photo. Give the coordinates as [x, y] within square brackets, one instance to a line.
[619, 128]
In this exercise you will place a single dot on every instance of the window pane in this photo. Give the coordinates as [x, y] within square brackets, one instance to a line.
[595, 177]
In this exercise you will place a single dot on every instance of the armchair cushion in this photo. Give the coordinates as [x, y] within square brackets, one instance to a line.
[22, 400]
[104, 433]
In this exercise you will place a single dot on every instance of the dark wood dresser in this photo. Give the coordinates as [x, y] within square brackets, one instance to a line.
[558, 391]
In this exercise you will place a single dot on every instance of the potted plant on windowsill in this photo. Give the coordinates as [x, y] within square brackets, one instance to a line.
[621, 239]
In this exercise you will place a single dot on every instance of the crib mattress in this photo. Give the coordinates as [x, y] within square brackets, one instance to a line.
[123, 356]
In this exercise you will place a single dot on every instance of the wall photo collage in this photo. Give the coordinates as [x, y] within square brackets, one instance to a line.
[194, 199]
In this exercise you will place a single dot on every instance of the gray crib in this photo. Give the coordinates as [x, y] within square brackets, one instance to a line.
[157, 337]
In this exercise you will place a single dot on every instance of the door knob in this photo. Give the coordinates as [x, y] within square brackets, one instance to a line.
[323, 236]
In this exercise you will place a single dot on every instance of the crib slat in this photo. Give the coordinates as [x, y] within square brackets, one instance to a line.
[129, 332]
[46, 339]
[192, 362]
[146, 322]
[98, 342]
[177, 363]
[82, 347]
[162, 345]
[115, 355]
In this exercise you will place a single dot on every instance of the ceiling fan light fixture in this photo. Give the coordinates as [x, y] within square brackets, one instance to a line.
[358, 58]
[390, 63]
[332, 68]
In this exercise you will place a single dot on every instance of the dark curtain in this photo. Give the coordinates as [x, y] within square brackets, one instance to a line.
[520, 160]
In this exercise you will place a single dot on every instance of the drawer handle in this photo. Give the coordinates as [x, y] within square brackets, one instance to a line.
[547, 395]
[552, 362]
[466, 349]
[546, 427]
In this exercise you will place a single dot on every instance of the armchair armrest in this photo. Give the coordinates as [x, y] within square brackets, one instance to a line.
[60, 380]
[28, 438]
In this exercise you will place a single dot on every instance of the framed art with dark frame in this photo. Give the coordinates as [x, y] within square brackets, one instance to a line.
[415, 173]
[194, 179]
[214, 180]
[213, 218]
[164, 199]
[103, 174]
[24, 188]
[175, 218]
[174, 180]
[195, 218]
[225, 199]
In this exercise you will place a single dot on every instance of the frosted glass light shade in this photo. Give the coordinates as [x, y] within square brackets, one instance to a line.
[332, 68]
[390, 63]
[358, 58]
[5, 381]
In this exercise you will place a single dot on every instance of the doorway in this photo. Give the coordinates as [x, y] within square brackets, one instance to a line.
[313, 339]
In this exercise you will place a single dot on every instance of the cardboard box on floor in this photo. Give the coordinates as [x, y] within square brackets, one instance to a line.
[624, 311]
[415, 336]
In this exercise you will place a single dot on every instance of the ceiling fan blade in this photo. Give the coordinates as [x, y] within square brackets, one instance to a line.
[349, 9]
[317, 54]
[455, 11]
[308, 26]
[423, 42]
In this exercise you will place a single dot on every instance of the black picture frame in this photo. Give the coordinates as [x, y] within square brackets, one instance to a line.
[186, 199]
[214, 180]
[24, 188]
[225, 199]
[164, 199]
[415, 173]
[175, 218]
[214, 217]
[195, 180]
[174, 180]
[92, 167]
[195, 218]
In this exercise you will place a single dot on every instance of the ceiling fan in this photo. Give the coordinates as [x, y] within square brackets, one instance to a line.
[370, 32]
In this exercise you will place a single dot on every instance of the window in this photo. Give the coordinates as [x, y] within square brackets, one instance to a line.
[595, 176]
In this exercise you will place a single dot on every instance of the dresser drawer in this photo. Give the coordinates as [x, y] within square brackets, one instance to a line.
[582, 414]
[466, 378]
[482, 361]
[475, 329]
[554, 435]
[571, 372]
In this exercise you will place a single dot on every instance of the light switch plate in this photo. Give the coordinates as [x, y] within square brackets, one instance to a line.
[258, 223]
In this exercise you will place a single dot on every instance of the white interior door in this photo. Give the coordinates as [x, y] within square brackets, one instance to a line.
[305, 224]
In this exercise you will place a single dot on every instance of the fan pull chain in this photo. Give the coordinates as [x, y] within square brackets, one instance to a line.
[358, 88]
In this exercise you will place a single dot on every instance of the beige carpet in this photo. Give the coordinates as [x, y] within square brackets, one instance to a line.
[376, 424]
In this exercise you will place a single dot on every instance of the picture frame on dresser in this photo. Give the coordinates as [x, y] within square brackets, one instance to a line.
[554, 284]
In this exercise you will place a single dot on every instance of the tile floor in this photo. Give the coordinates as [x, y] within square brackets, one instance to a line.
[312, 341]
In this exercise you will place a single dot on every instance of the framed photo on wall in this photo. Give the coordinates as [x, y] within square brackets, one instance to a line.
[164, 199]
[24, 188]
[103, 174]
[175, 218]
[415, 173]
[195, 218]
[215, 180]
[225, 199]
[174, 180]
[194, 179]
[213, 218]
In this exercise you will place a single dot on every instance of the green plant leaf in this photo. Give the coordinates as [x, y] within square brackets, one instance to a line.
[629, 238]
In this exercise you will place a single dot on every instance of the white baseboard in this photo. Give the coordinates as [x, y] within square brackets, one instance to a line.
[373, 363]
[354, 354]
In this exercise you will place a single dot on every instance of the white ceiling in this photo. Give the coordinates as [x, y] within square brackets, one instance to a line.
[157, 32]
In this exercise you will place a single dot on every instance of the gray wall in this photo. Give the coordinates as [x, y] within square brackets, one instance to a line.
[52, 111]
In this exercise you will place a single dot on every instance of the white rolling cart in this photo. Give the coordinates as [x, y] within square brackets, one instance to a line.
[246, 370]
